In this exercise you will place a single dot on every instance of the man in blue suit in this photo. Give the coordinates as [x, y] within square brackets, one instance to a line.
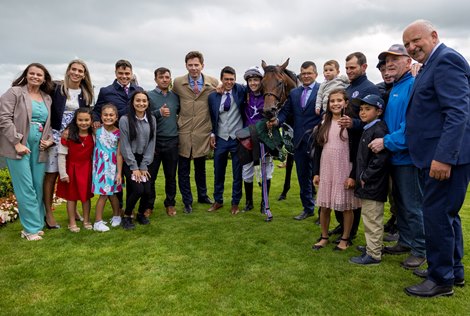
[301, 105]
[438, 134]
[226, 120]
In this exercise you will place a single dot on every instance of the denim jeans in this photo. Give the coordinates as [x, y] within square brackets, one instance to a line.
[407, 190]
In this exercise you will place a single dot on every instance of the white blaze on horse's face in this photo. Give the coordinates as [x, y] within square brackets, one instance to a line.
[308, 75]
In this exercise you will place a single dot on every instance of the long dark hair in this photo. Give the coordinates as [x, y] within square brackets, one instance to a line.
[47, 86]
[73, 128]
[324, 127]
[133, 120]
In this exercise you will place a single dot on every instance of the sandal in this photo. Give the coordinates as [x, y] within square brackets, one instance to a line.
[30, 237]
[320, 246]
[348, 243]
[87, 225]
[74, 228]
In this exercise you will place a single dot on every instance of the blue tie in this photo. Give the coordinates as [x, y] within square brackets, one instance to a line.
[227, 102]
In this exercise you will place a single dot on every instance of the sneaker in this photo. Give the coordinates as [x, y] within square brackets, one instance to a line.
[142, 219]
[116, 221]
[127, 223]
[100, 227]
[364, 260]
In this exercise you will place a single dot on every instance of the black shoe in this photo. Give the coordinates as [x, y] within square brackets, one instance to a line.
[390, 224]
[282, 197]
[142, 219]
[424, 274]
[413, 262]
[361, 249]
[318, 247]
[429, 289]
[205, 200]
[396, 249]
[127, 223]
[56, 226]
[338, 230]
[364, 260]
[249, 206]
[349, 243]
[188, 209]
[303, 216]
[389, 237]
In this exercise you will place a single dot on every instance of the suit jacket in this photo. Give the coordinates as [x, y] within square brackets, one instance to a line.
[437, 119]
[15, 121]
[194, 122]
[238, 93]
[304, 119]
[115, 94]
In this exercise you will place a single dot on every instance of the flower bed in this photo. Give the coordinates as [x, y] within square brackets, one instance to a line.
[8, 209]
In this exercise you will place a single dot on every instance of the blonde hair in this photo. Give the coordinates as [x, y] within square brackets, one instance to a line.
[85, 84]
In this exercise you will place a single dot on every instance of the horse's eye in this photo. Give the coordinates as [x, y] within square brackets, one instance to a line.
[280, 83]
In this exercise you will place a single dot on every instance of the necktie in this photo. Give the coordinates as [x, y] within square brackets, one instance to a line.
[303, 97]
[227, 102]
[196, 87]
[126, 89]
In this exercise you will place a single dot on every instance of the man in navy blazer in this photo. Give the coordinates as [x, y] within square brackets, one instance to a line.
[226, 119]
[438, 136]
[301, 105]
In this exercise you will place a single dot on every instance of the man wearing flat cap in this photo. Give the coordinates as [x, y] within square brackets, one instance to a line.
[407, 180]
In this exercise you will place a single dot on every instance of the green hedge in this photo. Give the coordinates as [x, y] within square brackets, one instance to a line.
[6, 188]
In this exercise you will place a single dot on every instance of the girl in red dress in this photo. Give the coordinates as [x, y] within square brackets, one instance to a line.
[75, 167]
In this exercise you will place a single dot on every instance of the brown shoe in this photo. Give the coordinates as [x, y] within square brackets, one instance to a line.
[235, 210]
[148, 212]
[215, 207]
[170, 211]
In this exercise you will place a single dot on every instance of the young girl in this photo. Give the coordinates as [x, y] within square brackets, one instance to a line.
[334, 161]
[107, 165]
[74, 163]
[137, 148]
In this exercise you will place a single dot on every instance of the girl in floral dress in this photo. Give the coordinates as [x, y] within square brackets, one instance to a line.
[334, 169]
[107, 166]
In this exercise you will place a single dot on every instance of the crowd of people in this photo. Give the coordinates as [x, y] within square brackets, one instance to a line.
[361, 144]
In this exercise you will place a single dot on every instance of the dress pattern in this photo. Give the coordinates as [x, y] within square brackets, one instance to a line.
[335, 167]
[79, 170]
[105, 162]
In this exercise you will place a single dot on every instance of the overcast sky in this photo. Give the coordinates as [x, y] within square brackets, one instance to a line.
[240, 33]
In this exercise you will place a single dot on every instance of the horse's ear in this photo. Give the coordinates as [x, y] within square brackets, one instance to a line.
[284, 65]
[263, 64]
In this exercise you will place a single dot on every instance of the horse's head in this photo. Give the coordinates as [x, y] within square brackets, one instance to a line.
[276, 85]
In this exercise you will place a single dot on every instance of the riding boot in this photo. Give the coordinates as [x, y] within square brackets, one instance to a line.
[248, 196]
[268, 186]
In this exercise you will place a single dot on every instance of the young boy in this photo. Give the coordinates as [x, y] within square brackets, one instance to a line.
[332, 82]
[372, 173]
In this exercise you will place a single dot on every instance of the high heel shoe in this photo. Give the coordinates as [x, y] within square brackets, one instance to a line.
[318, 247]
[348, 243]
[30, 237]
[56, 226]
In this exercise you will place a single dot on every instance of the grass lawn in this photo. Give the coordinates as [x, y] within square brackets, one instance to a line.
[207, 264]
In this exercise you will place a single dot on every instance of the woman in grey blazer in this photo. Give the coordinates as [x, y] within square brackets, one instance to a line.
[25, 136]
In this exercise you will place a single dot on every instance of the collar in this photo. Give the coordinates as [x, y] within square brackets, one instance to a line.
[369, 125]
[143, 118]
[432, 52]
[199, 80]
[158, 90]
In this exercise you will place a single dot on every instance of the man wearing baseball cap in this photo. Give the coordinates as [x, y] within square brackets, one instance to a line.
[407, 185]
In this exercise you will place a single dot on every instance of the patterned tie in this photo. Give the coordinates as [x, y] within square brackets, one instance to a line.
[196, 87]
[303, 98]
[126, 89]
[227, 102]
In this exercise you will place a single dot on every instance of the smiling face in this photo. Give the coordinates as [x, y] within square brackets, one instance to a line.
[254, 83]
[83, 122]
[369, 113]
[228, 81]
[35, 76]
[308, 75]
[140, 103]
[194, 67]
[353, 69]
[419, 40]
[336, 103]
[124, 75]
[109, 116]
[76, 73]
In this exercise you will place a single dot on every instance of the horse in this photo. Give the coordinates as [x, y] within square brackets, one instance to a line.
[276, 84]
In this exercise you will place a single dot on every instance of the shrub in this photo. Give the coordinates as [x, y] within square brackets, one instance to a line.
[6, 188]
